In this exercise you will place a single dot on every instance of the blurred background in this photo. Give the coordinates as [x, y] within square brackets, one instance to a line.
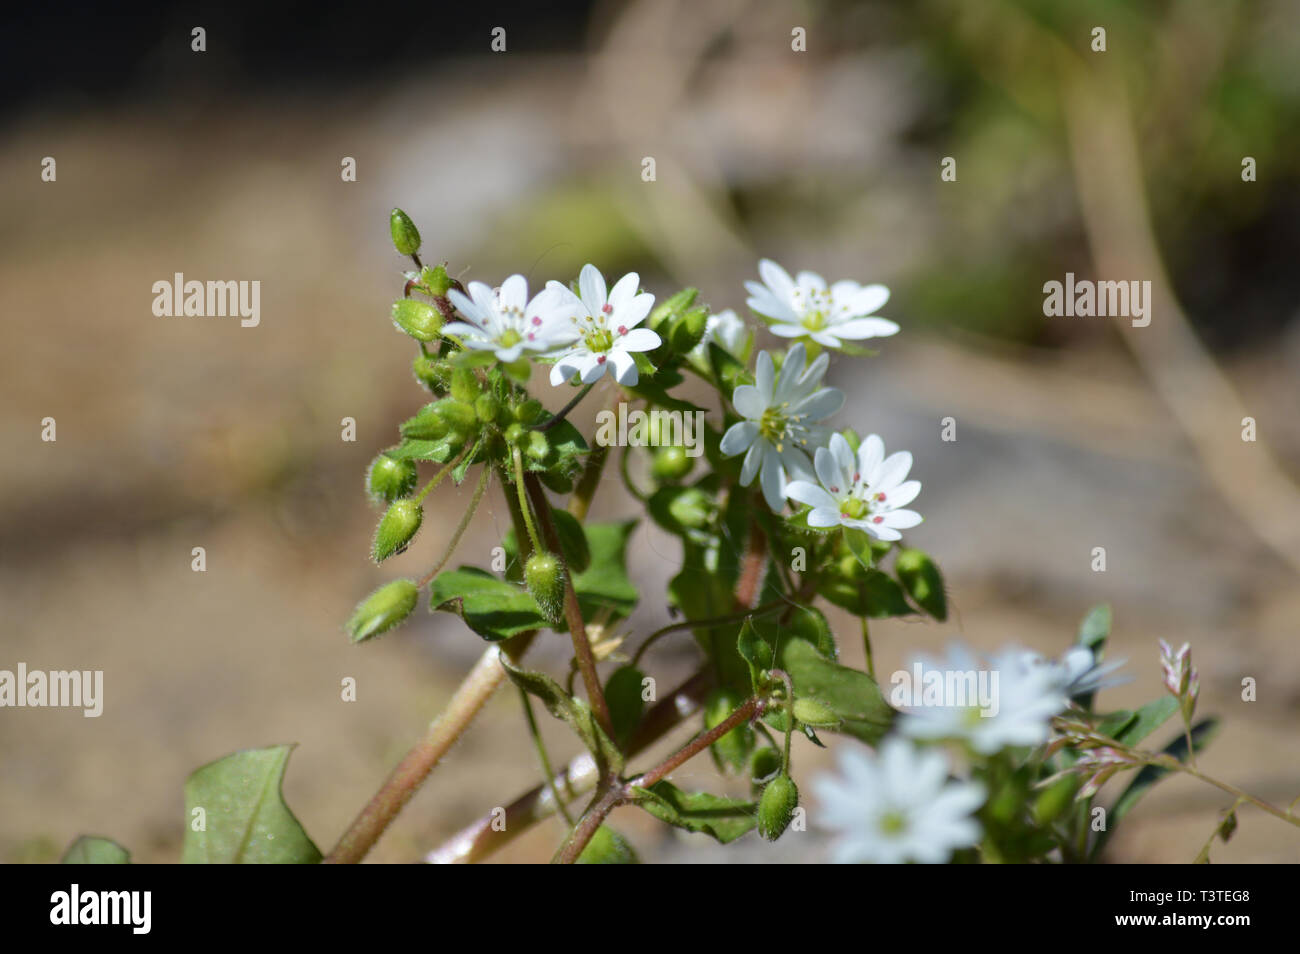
[1073, 433]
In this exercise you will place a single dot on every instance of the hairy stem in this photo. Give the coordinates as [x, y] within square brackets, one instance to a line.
[572, 611]
[461, 527]
[563, 412]
[765, 609]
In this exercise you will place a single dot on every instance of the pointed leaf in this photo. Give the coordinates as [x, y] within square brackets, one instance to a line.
[93, 850]
[725, 819]
[490, 607]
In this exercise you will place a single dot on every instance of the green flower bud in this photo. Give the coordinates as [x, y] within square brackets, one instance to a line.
[763, 764]
[435, 279]
[515, 433]
[396, 528]
[544, 577]
[426, 425]
[487, 408]
[536, 445]
[811, 712]
[670, 309]
[431, 372]
[465, 387]
[607, 847]
[529, 412]
[460, 419]
[731, 752]
[389, 479]
[923, 582]
[671, 464]
[416, 319]
[776, 807]
[691, 508]
[406, 237]
[383, 609]
[688, 330]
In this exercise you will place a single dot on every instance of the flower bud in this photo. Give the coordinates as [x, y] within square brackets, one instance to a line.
[427, 425]
[813, 713]
[671, 464]
[416, 319]
[465, 386]
[776, 807]
[460, 419]
[406, 237]
[669, 309]
[383, 609]
[487, 409]
[688, 330]
[431, 372]
[435, 279]
[536, 445]
[529, 412]
[396, 528]
[607, 847]
[389, 479]
[544, 577]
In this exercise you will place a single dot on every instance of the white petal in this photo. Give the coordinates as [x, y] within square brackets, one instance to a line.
[825, 517]
[791, 369]
[810, 280]
[856, 329]
[777, 279]
[773, 482]
[870, 453]
[765, 377]
[634, 312]
[788, 331]
[738, 438]
[593, 368]
[624, 290]
[465, 306]
[592, 285]
[866, 300]
[753, 462]
[748, 401]
[809, 493]
[903, 494]
[639, 339]
[820, 405]
[625, 370]
[891, 472]
[514, 292]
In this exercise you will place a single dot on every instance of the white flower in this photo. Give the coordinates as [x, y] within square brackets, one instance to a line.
[866, 491]
[780, 411]
[897, 806]
[804, 307]
[605, 326]
[1078, 672]
[728, 332]
[504, 321]
[1026, 698]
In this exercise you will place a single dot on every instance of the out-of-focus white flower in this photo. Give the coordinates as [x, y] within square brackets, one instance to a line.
[605, 328]
[1026, 697]
[805, 307]
[728, 332]
[867, 490]
[1078, 671]
[896, 806]
[779, 432]
[506, 322]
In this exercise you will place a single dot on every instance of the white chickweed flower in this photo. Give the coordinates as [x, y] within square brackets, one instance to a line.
[805, 307]
[778, 433]
[605, 328]
[506, 322]
[866, 491]
[896, 806]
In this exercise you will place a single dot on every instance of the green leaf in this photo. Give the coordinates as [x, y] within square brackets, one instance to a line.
[922, 581]
[869, 593]
[756, 651]
[1095, 628]
[605, 583]
[859, 544]
[458, 472]
[623, 695]
[607, 847]
[850, 694]
[576, 713]
[439, 451]
[93, 850]
[1143, 722]
[490, 607]
[725, 819]
[247, 821]
[1202, 733]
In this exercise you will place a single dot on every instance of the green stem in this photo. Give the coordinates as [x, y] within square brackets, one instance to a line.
[524, 508]
[542, 756]
[866, 648]
[563, 412]
[763, 610]
[460, 528]
[438, 477]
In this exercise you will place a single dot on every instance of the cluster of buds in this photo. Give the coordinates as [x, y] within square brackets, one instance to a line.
[1099, 756]
[1180, 677]
[1100, 764]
